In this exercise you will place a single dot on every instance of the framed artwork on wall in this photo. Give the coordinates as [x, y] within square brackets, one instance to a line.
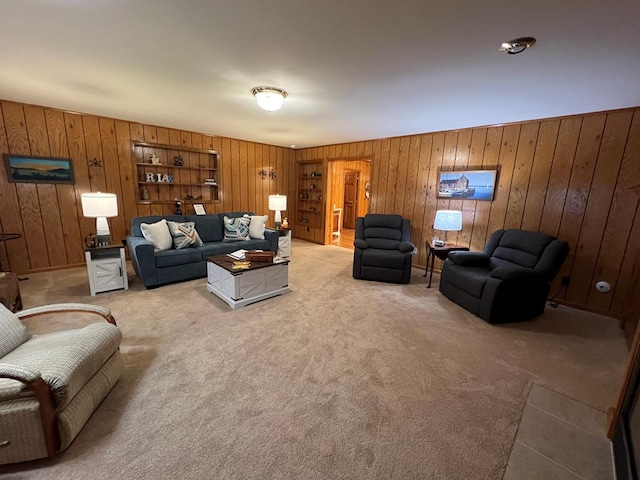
[32, 169]
[467, 184]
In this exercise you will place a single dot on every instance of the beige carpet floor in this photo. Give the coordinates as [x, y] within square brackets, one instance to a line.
[338, 379]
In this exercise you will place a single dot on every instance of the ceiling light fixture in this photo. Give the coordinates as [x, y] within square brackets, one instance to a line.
[269, 98]
[518, 45]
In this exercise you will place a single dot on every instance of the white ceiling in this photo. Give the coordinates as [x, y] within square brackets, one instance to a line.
[354, 69]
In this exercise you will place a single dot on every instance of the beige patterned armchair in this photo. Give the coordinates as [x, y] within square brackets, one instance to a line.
[50, 384]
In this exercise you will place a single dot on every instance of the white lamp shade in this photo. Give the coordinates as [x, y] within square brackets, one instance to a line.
[96, 205]
[448, 220]
[277, 202]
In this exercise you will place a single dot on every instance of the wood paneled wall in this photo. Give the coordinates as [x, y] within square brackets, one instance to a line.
[577, 178]
[49, 217]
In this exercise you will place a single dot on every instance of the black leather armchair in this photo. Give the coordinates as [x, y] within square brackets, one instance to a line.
[510, 280]
[383, 248]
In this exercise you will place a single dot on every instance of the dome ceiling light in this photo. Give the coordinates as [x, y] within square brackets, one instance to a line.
[518, 45]
[269, 98]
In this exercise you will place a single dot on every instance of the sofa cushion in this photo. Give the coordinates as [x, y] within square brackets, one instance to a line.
[468, 279]
[257, 225]
[66, 360]
[236, 228]
[158, 234]
[12, 332]
[209, 227]
[171, 258]
[383, 258]
[184, 235]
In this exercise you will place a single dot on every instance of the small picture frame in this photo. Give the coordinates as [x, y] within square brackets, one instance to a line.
[198, 208]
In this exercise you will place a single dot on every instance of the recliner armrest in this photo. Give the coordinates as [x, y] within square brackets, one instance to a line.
[469, 259]
[406, 247]
[360, 243]
[517, 274]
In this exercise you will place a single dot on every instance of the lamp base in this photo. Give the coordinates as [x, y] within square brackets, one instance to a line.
[278, 219]
[103, 240]
[103, 235]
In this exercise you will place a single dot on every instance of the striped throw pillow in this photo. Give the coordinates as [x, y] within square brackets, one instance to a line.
[184, 235]
[236, 228]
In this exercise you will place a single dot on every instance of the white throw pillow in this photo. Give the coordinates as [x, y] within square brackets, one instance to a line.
[257, 226]
[157, 233]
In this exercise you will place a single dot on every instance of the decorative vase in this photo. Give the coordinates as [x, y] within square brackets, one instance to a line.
[178, 210]
[145, 194]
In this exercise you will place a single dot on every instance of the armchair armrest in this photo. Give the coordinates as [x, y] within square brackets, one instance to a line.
[517, 274]
[142, 256]
[469, 259]
[360, 243]
[34, 382]
[406, 247]
[272, 237]
[67, 307]
[20, 374]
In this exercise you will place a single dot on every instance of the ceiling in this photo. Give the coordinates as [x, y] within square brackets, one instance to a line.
[354, 69]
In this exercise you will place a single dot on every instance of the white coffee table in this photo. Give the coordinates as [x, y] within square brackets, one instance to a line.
[238, 288]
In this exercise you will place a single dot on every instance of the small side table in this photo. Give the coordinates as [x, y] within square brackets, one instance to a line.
[284, 243]
[107, 268]
[10, 291]
[441, 253]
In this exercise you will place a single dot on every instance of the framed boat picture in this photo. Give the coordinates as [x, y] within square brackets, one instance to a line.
[467, 184]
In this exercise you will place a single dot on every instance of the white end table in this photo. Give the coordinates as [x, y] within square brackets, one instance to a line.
[107, 268]
[284, 243]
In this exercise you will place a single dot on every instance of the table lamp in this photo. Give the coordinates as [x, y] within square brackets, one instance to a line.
[278, 203]
[100, 206]
[448, 221]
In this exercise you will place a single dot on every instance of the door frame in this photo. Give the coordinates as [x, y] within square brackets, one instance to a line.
[333, 165]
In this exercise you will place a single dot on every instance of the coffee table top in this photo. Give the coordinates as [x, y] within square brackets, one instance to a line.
[226, 262]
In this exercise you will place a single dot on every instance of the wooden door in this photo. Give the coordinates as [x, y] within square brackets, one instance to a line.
[350, 204]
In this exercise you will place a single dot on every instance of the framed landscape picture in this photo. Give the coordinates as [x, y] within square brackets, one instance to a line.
[467, 184]
[31, 169]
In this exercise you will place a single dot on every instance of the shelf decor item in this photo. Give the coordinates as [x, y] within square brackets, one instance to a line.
[177, 161]
[177, 206]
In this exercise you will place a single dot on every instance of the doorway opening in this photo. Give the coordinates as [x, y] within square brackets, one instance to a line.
[348, 195]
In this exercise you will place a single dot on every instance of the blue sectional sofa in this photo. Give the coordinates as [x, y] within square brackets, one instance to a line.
[169, 266]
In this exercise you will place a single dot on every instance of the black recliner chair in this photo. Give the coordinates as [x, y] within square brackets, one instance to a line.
[510, 280]
[383, 248]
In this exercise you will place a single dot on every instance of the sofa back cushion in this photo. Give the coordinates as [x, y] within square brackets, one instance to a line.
[383, 231]
[12, 332]
[209, 227]
[519, 248]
